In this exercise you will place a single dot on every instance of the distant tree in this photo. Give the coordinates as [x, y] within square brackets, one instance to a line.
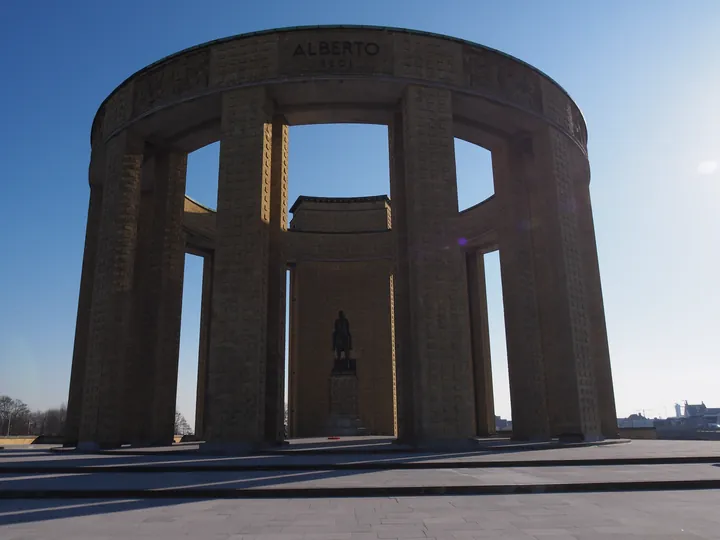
[181, 425]
[12, 412]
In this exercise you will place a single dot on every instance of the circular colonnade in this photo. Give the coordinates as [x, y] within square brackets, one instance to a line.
[428, 89]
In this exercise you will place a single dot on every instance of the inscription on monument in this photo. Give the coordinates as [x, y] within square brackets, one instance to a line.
[340, 53]
[336, 51]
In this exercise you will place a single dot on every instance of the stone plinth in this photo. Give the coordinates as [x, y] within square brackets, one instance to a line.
[344, 418]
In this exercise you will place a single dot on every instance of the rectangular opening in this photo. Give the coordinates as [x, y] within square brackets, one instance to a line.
[498, 346]
[473, 169]
[189, 343]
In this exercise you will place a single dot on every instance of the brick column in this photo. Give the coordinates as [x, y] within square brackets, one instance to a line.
[235, 415]
[82, 323]
[444, 405]
[596, 312]
[157, 301]
[139, 368]
[555, 171]
[165, 290]
[522, 319]
[275, 376]
[108, 343]
[204, 348]
[404, 357]
[552, 168]
[480, 335]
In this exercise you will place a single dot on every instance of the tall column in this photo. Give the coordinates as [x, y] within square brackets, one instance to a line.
[444, 405]
[204, 348]
[596, 313]
[151, 368]
[480, 334]
[522, 319]
[275, 377]
[238, 344]
[100, 424]
[551, 167]
[82, 323]
[404, 358]
[165, 290]
[139, 368]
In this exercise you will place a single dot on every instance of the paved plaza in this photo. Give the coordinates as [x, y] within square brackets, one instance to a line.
[591, 516]
[362, 489]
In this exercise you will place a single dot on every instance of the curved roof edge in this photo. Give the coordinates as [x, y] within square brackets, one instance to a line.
[201, 205]
[329, 27]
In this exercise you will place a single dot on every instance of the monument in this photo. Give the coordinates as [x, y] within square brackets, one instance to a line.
[344, 416]
[412, 264]
[342, 344]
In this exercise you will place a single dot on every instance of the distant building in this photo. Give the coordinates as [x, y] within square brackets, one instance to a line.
[502, 425]
[696, 422]
[635, 421]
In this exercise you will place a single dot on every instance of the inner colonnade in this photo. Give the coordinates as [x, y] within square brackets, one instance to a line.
[245, 91]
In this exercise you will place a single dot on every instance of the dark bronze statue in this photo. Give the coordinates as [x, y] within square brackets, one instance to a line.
[342, 339]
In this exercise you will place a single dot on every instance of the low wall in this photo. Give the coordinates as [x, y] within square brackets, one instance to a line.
[637, 433]
[15, 439]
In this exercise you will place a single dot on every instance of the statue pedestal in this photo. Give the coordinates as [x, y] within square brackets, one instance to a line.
[344, 418]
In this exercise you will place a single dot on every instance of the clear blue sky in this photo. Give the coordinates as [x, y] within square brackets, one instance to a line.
[645, 73]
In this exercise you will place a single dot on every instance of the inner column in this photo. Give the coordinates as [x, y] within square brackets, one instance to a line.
[275, 379]
[526, 368]
[167, 266]
[235, 415]
[405, 381]
[444, 405]
[480, 334]
[204, 345]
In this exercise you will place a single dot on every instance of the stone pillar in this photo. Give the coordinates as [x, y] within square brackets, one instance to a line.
[551, 168]
[522, 319]
[82, 323]
[480, 335]
[596, 312]
[139, 368]
[204, 348]
[402, 332]
[165, 290]
[235, 414]
[554, 171]
[108, 343]
[151, 368]
[444, 404]
[275, 377]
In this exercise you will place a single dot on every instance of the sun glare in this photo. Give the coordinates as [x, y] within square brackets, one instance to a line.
[707, 167]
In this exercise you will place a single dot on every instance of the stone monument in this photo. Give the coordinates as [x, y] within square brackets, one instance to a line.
[430, 357]
[343, 386]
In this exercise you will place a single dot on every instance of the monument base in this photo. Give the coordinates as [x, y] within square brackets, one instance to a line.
[344, 419]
